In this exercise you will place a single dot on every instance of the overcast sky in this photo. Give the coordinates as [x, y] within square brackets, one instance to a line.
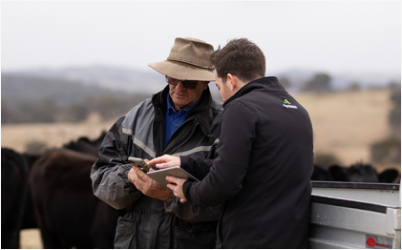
[327, 36]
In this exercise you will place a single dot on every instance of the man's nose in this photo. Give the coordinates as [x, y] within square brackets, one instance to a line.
[180, 86]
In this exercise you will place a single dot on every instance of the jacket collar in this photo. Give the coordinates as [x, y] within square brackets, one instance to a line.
[269, 83]
[200, 112]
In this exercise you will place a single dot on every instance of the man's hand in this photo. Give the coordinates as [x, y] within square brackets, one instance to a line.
[165, 161]
[148, 186]
[177, 188]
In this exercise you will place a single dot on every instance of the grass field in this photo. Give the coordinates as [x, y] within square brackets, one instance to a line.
[347, 123]
[344, 123]
[30, 239]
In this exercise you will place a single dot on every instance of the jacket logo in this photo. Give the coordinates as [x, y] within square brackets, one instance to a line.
[288, 105]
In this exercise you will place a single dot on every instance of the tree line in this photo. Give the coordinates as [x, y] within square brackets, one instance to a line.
[49, 111]
[28, 99]
[321, 82]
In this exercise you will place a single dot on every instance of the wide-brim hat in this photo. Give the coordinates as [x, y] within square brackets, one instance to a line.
[189, 59]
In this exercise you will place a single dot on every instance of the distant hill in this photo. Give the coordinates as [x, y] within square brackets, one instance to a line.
[111, 78]
[341, 81]
[140, 81]
[17, 89]
[33, 99]
[114, 78]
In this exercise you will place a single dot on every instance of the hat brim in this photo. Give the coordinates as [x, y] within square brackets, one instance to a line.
[182, 71]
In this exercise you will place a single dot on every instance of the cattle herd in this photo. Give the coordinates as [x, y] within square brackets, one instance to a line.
[52, 191]
[358, 172]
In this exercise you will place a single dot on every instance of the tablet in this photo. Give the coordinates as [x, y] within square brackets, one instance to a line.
[160, 175]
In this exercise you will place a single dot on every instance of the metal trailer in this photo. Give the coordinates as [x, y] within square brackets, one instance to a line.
[355, 215]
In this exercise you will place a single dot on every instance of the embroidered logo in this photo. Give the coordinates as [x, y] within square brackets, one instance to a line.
[288, 105]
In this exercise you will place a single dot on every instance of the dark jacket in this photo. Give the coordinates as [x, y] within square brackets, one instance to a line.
[152, 223]
[262, 171]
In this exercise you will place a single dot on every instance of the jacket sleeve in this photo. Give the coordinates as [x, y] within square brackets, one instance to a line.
[109, 173]
[199, 167]
[225, 179]
[190, 213]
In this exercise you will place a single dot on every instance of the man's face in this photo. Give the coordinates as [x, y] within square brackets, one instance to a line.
[224, 87]
[184, 98]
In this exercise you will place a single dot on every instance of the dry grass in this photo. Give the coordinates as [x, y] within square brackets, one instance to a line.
[346, 123]
[30, 239]
[16, 136]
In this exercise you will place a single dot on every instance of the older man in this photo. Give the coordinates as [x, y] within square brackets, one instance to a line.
[179, 120]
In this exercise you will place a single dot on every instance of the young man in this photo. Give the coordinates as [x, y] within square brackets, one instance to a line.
[265, 157]
[176, 121]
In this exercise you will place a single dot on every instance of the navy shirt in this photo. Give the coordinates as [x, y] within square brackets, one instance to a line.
[174, 119]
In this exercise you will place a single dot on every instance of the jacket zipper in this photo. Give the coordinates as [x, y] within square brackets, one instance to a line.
[191, 134]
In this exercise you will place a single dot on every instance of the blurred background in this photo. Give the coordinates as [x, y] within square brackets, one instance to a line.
[70, 69]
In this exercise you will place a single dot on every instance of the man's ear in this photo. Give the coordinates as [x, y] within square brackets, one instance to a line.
[205, 85]
[232, 81]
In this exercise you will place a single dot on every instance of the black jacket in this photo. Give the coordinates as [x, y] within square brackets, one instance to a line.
[262, 172]
[152, 223]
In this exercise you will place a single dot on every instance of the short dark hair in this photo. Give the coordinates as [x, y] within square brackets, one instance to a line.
[241, 58]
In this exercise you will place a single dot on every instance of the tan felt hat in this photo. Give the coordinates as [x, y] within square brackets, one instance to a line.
[188, 60]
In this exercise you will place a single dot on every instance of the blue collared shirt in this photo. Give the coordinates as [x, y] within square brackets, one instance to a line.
[174, 119]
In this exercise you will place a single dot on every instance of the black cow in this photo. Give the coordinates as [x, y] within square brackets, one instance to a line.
[358, 172]
[320, 174]
[14, 181]
[84, 145]
[29, 219]
[68, 213]
[389, 176]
